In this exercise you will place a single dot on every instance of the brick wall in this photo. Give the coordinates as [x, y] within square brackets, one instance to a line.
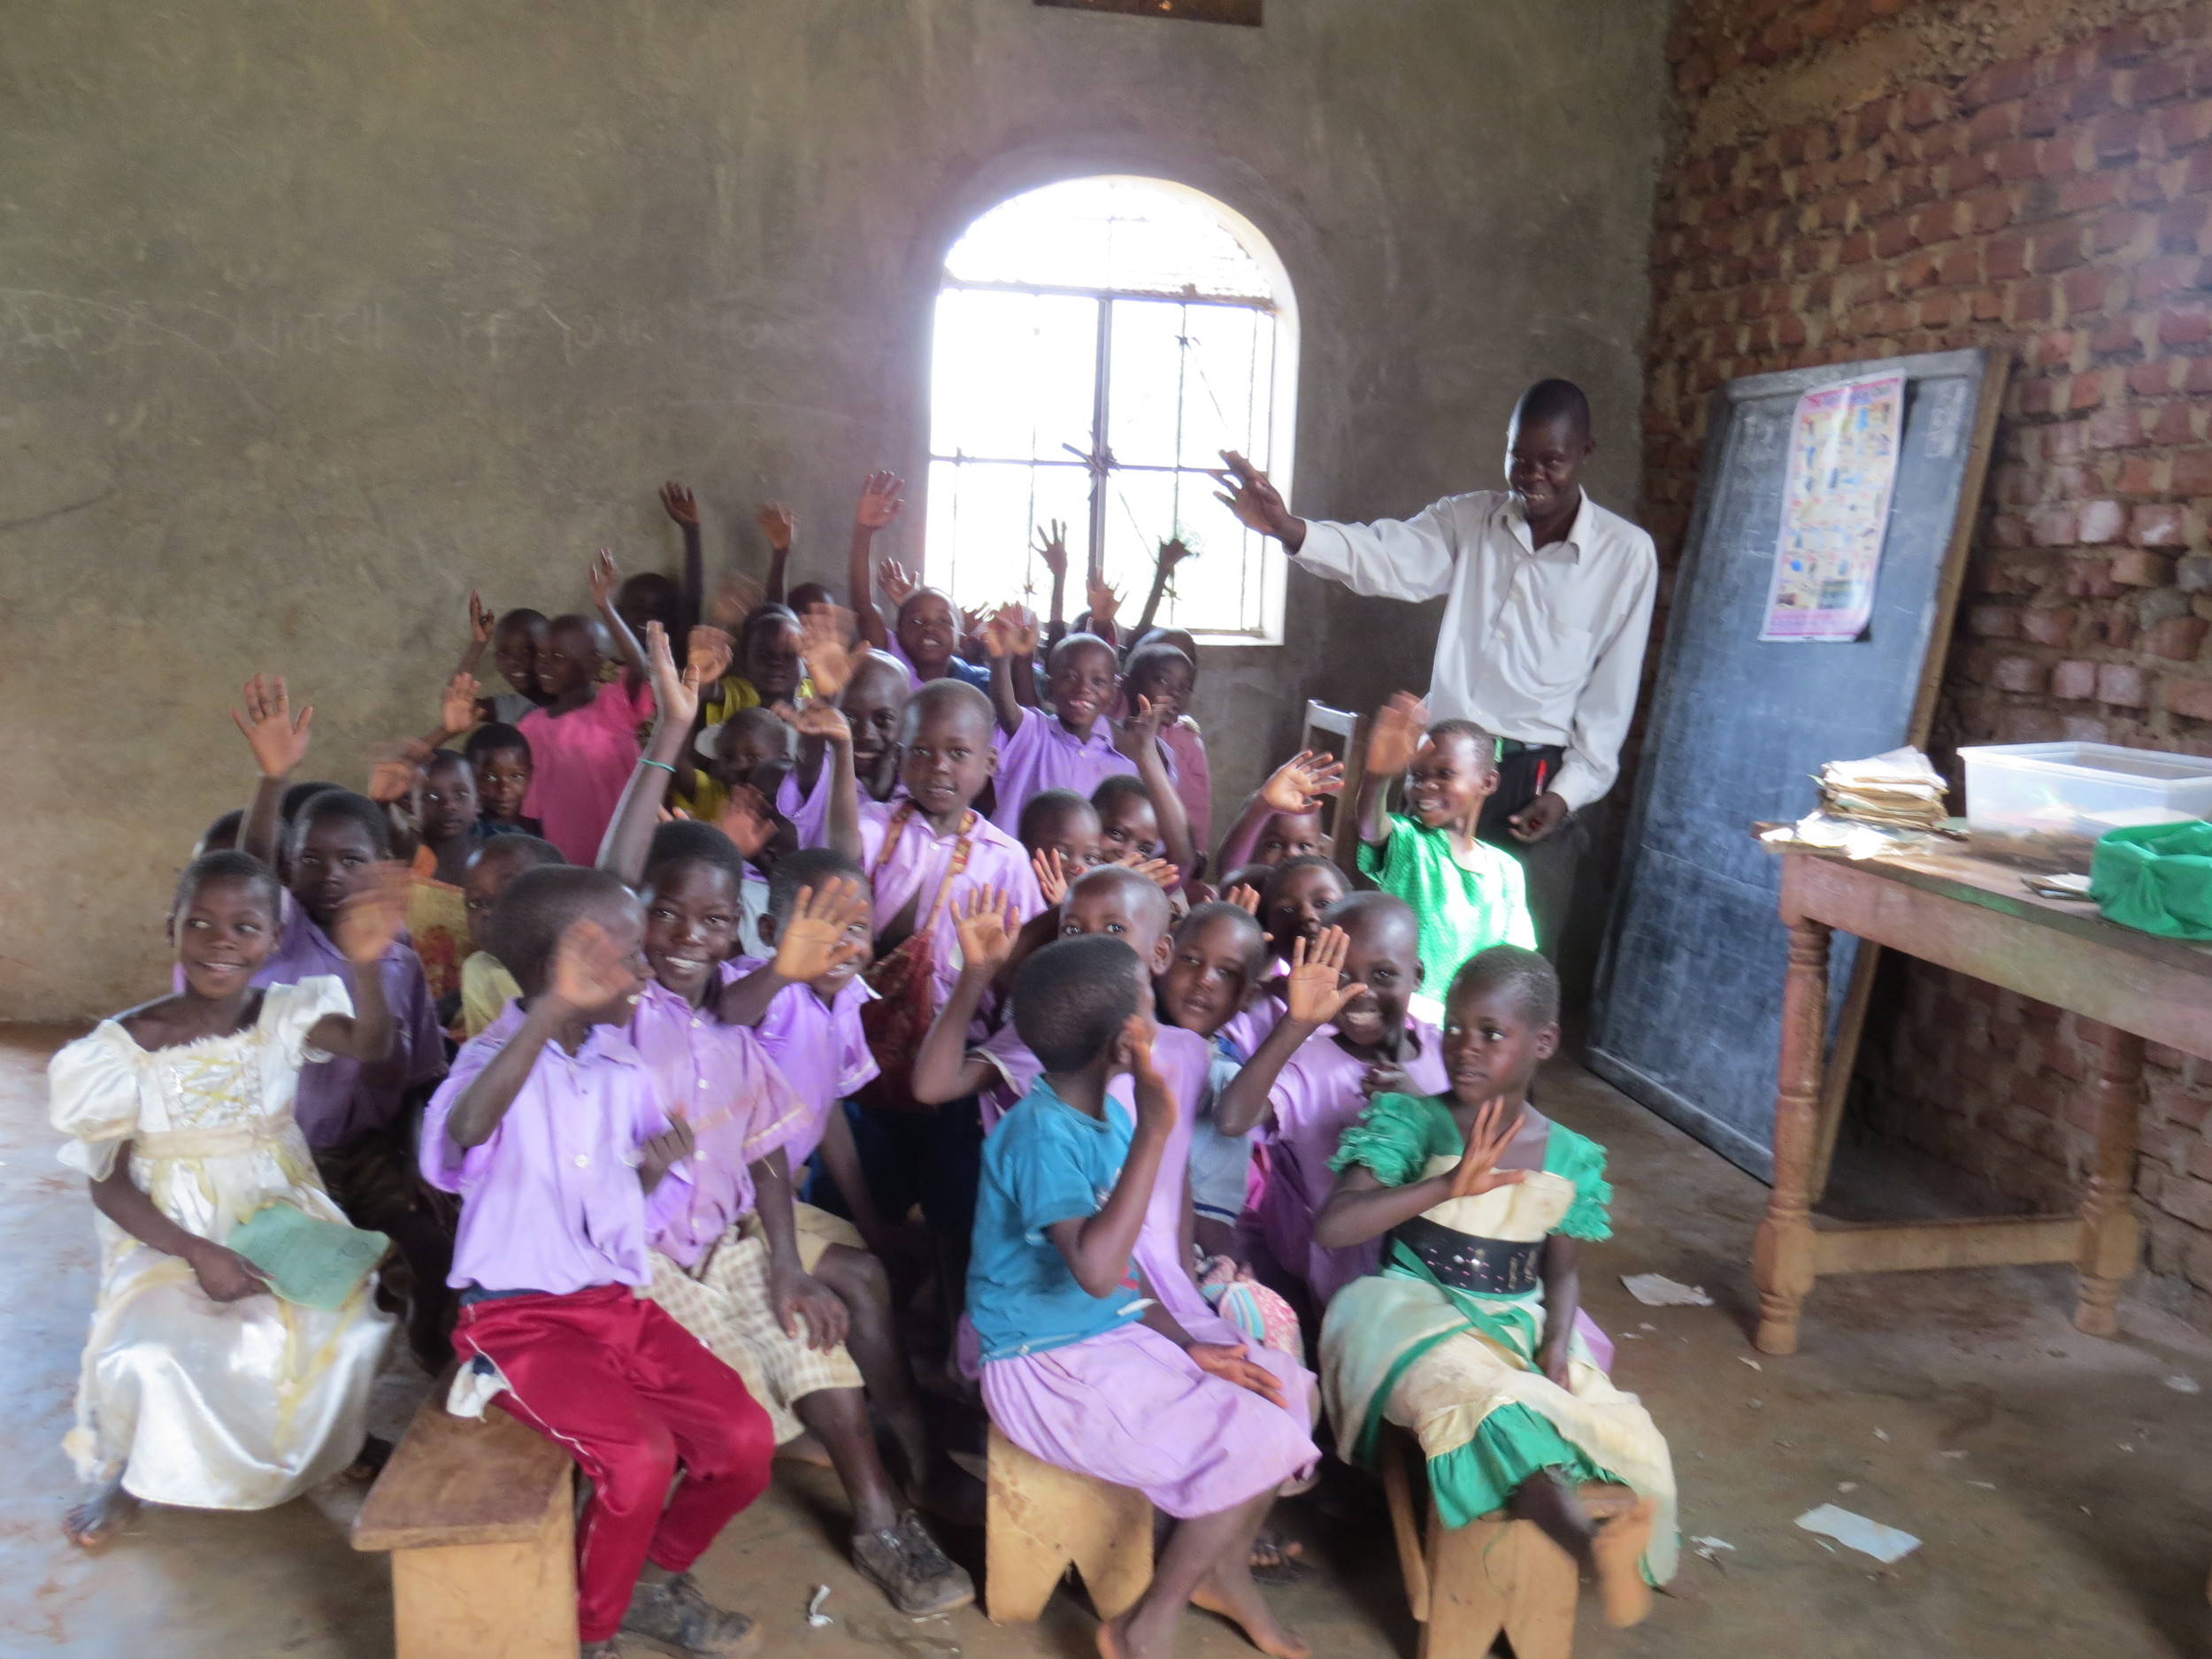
[1868, 178]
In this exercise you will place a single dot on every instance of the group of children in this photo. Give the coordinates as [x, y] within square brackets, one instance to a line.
[646, 1021]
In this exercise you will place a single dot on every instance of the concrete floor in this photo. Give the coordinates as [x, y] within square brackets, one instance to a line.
[2060, 1484]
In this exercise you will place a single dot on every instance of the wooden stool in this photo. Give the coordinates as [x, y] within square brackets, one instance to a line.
[479, 1517]
[1495, 1575]
[1042, 1519]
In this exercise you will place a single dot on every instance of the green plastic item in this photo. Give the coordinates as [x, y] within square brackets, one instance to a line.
[2155, 877]
[314, 1263]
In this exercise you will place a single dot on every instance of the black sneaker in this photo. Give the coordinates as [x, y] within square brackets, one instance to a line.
[905, 1562]
[673, 1614]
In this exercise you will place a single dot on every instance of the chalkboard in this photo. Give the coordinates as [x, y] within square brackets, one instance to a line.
[1689, 1014]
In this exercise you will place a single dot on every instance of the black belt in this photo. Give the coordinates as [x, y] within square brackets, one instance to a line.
[1489, 1267]
[1509, 747]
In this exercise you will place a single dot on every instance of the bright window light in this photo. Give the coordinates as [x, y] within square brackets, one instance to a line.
[1098, 344]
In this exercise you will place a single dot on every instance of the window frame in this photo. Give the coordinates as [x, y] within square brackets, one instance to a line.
[1281, 393]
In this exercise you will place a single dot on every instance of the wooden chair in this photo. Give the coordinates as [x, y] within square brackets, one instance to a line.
[1493, 1575]
[479, 1517]
[1349, 732]
[1039, 1520]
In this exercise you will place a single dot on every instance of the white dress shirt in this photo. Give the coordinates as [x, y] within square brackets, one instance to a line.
[1542, 646]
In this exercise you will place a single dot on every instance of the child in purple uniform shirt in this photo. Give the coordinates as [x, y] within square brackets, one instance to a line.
[552, 1131]
[1313, 1074]
[356, 1115]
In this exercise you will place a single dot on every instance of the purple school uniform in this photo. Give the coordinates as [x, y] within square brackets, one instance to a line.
[739, 1106]
[552, 1201]
[820, 1049]
[916, 865]
[1314, 1100]
[1041, 754]
[342, 1100]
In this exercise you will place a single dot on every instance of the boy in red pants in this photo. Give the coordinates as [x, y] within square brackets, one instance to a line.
[552, 1131]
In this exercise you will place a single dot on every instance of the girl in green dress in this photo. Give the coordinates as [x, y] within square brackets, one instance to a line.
[1466, 1333]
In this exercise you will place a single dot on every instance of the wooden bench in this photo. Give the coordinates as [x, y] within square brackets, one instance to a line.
[1039, 1520]
[1493, 1575]
[479, 1517]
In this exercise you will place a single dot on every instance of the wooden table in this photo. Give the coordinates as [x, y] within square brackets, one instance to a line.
[1977, 919]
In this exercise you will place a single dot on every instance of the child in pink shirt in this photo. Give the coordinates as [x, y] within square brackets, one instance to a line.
[552, 1130]
[1335, 1046]
[584, 742]
[1163, 674]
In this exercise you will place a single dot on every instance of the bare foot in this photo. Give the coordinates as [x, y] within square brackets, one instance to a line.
[805, 1449]
[1615, 1549]
[369, 1464]
[97, 1523]
[1113, 1638]
[1237, 1599]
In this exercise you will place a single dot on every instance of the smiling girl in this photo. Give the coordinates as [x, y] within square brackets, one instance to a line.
[1468, 895]
[1467, 1333]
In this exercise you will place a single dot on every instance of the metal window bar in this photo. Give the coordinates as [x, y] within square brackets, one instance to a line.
[1100, 462]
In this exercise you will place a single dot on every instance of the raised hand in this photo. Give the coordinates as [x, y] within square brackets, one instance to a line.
[393, 778]
[747, 820]
[481, 622]
[1245, 492]
[675, 694]
[456, 707]
[1386, 1077]
[735, 597]
[1314, 995]
[825, 644]
[279, 742]
[1011, 632]
[708, 652]
[813, 942]
[1173, 552]
[1396, 733]
[1053, 879]
[1227, 1362]
[776, 522]
[820, 719]
[880, 500]
[1142, 726]
[1245, 897]
[1103, 600]
[589, 969]
[895, 583]
[986, 925]
[604, 577]
[679, 504]
[661, 1153]
[369, 921]
[1299, 784]
[970, 625]
[1160, 872]
[1477, 1170]
[1052, 547]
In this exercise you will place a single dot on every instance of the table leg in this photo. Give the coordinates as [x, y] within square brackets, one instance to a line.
[1782, 1262]
[2110, 1235]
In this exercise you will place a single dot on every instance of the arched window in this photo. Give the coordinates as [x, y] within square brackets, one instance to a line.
[1098, 344]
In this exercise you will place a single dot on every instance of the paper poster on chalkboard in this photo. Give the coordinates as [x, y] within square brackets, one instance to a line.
[1835, 506]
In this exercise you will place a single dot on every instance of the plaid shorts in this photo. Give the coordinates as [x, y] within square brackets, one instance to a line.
[724, 1303]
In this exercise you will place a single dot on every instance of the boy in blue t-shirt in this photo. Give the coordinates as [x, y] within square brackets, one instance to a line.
[1081, 1366]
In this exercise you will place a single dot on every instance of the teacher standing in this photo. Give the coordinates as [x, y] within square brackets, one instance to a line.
[1548, 606]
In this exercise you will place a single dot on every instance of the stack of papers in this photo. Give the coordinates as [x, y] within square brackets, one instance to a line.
[1890, 803]
[1899, 790]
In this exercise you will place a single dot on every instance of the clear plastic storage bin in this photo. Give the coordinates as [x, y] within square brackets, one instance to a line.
[2045, 804]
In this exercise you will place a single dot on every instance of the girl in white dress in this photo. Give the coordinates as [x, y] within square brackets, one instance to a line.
[199, 1387]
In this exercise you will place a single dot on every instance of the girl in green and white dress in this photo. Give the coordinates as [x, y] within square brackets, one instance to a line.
[1466, 1333]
